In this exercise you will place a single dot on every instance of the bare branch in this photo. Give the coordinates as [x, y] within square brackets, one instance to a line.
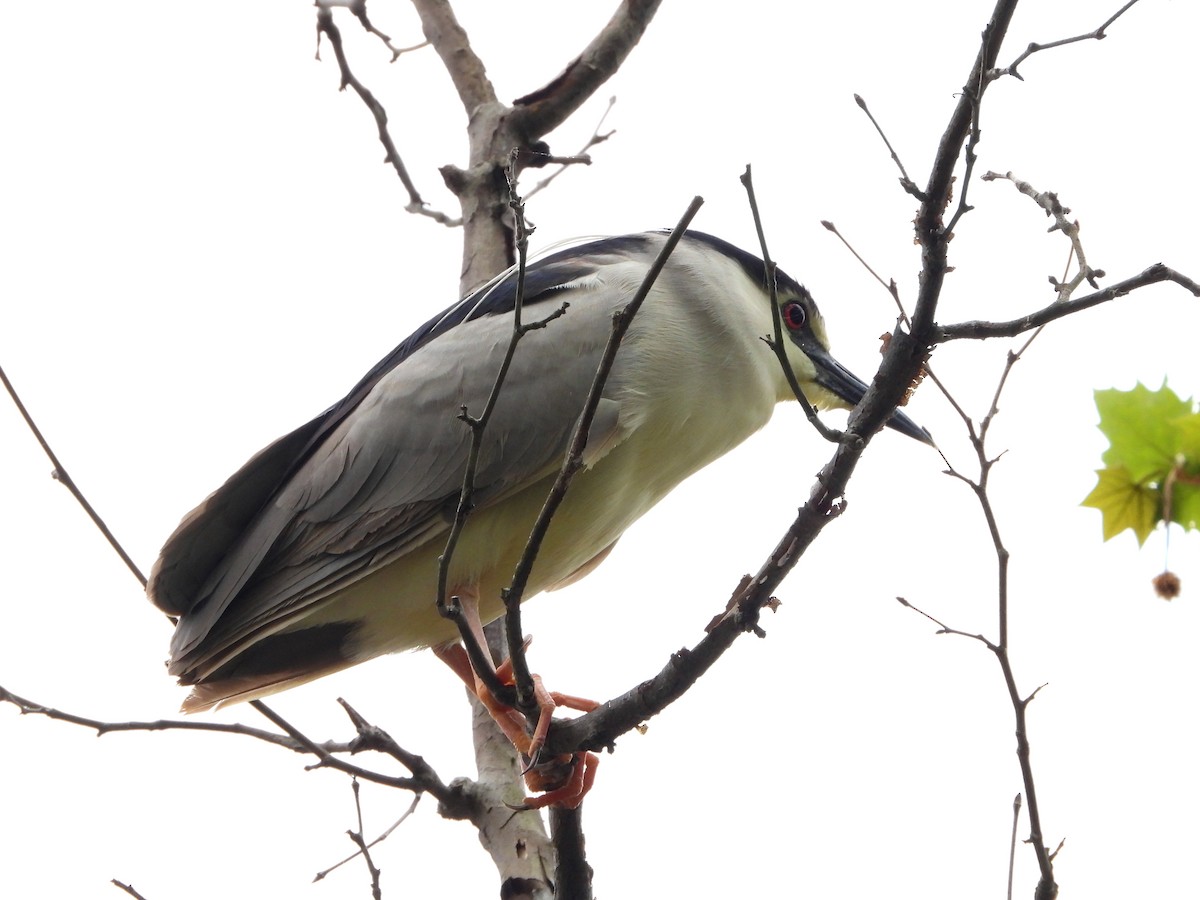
[416, 204]
[376, 739]
[889, 286]
[60, 474]
[514, 633]
[961, 136]
[977, 330]
[29, 707]
[600, 728]
[542, 111]
[931, 233]
[775, 341]
[128, 888]
[1097, 35]
[104, 727]
[359, 9]
[581, 156]
[425, 779]
[1048, 201]
[521, 697]
[1012, 845]
[943, 628]
[513, 595]
[574, 460]
[360, 841]
[412, 807]
[1047, 888]
[907, 183]
[973, 95]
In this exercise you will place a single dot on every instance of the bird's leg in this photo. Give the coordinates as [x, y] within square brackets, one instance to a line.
[509, 720]
[470, 604]
[546, 777]
[462, 608]
[561, 780]
[455, 657]
[547, 702]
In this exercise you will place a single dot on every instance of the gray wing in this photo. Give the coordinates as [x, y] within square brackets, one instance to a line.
[387, 477]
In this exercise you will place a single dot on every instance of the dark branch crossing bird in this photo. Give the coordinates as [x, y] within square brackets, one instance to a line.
[322, 551]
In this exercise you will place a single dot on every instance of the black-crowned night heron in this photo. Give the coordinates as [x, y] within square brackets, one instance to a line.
[322, 551]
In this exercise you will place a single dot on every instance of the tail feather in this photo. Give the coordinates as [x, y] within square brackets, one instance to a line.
[243, 688]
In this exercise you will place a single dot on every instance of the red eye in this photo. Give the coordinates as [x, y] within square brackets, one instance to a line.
[794, 315]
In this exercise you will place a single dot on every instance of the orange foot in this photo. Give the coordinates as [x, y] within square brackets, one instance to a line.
[561, 781]
[580, 776]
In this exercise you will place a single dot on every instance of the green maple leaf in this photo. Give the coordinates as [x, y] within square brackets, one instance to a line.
[1154, 438]
[1124, 503]
[1141, 428]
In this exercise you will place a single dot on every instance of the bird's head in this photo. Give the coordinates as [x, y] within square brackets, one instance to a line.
[826, 383]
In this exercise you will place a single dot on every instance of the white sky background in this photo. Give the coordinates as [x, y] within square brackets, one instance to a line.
[201, 249]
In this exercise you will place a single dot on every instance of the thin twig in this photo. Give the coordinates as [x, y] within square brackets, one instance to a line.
[103, 727]
[943, 628]
[889, 286]
[1000, 649]
[1012, 844]
[979, 330]
[933, 234]
[360, 841]
[974, 95]
[513, 631]
[128, 888]
[582, 155]
[1097, 35]
[424, 780]
[359, 9]
[1049, 202]
[894, 292]
[775, 342]
[416, 204]
[60, 474]
[907, 183]
[574, 459]
[520, 694]
[326, 759]
[29, 707]
[412, 807]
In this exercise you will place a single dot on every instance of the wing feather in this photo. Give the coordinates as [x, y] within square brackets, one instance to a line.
[384, 479]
